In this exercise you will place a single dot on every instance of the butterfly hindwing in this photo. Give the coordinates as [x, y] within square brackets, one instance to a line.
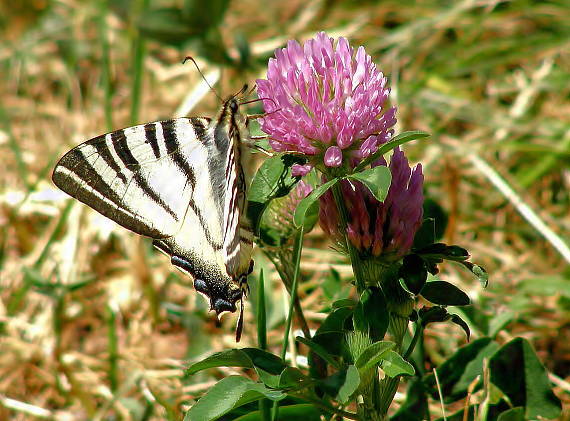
[180, 182]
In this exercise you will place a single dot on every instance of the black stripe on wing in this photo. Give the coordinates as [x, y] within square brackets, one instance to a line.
[88, 186]
[172, 148]
[150, 135]
[120, 144]
[204, 223]
[103, 151]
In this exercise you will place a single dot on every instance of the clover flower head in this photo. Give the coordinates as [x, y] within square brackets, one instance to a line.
[326, 101]
[381, 229]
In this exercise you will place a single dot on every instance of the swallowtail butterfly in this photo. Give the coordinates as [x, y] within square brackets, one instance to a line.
[180, 182]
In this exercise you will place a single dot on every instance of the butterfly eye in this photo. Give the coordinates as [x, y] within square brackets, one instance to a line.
[234, 106]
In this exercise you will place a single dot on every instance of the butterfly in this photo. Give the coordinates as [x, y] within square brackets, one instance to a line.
[182, 183]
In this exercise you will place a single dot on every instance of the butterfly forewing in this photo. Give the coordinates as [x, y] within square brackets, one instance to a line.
[180, 182]
[139, 177]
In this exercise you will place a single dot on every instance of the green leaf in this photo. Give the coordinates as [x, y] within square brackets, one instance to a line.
[414, 273]
[203, 18]
[342, 384]
[305, 412]
[517, 371]
[319, 350]
[546, 285]
[433, 315]
[433, 226]
[350, 385]
[344, 302]
[331, 341]
[388, 146]
[307, 202]
[336, 320]
[514, 414]
[273, 179]
[460, 322]
[229, 393]
[230, 358]
[443, 251]
[265, 360]
[377, 180]
[291, 377]
[372, 355]
[499, 321]
[460, 370]
[377, 318]
[394, 365]
[461, 415]
[246, 357]
[311, 216]
[167, 25]
[444, 293]
[359, 319]
[479, 272]
[268, 379]
[335, 288]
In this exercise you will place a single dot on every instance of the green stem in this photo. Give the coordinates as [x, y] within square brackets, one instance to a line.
[287, 278]
[261, 313]
[297, 248]
[139, 7]
[320, 404]
[264, 404]
[106, 64]
[113, 349]
[368, 408]
[401, 305]
[417, 335]
[352, 252]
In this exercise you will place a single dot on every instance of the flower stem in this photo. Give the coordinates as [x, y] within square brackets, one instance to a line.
[400, 304]
[417, 334]
[352, 252]
[297, 247]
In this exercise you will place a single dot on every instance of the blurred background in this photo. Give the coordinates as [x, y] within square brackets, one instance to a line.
[96, 325]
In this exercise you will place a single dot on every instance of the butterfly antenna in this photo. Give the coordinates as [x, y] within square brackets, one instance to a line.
[241, 91]
[203, 77]
[252, 89]
[257, 99]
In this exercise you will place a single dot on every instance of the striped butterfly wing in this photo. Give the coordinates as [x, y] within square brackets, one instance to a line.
[141, 177]
[169, 181]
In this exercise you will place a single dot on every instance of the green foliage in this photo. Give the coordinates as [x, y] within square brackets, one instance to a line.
[229, 393]
[372, 355]
[414, 273]
[444, 293]
[377, 180]
[460, 370]
[304, 207]
[396, 141]
[306, 412]
[517, 371]
[272, 180]
[514, 369]
[373, 311]
[434, 225]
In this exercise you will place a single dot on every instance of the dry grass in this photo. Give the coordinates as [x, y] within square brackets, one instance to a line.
[96, 325]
